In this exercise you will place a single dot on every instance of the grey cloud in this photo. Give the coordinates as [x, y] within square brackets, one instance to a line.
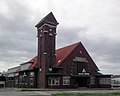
[106, 48]
[17, 36]
[101, 49]
[69, 35]
[18, 41]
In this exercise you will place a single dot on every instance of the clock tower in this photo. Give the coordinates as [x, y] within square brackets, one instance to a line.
[46, 33]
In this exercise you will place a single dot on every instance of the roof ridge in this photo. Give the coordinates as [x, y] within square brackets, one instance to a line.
[68, 53]
[68, 45]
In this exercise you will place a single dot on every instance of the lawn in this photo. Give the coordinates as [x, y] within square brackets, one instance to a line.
[89, 94]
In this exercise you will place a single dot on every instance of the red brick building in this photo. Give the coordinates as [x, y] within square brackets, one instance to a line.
[67, 67]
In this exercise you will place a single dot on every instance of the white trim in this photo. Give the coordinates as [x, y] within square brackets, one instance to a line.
[66, 80]
[16, 74]
[40, 69]
[45, 31]
[11, 75]
[54, 81]
[59, 61]
[80, 59]
[83, 70]
[2, 82]
[55, 33]
[50, 69]
[80, 52]
[40, 35]
[45, 53]
[51, 26]
[51, 34]
[83, 73]
[50, 29]
[31, 74]
[105, 81]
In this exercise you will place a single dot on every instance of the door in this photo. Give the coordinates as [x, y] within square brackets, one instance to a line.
[83, 81]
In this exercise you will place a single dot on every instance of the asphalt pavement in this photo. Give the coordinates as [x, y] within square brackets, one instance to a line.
[14, 92]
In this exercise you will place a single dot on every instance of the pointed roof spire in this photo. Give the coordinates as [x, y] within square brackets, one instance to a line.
[50, 19]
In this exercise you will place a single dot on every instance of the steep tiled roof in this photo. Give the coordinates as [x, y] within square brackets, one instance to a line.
[61, 55]
[19, 69]
[33, 62]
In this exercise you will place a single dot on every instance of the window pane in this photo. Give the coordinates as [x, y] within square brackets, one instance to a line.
[31, 74]
[31, 81]
[66, 80]
[53, 81]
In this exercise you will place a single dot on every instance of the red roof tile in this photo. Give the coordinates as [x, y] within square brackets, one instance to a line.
[18, 69]
[34, 62]
[61, 55]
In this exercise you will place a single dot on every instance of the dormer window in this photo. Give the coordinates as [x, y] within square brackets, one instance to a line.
[59, 61]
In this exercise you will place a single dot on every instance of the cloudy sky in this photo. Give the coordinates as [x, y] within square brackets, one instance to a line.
[96, 23]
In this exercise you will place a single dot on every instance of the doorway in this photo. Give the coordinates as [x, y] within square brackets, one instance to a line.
[83, 81]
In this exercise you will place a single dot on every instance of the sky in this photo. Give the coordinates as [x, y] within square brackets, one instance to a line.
[95, 23]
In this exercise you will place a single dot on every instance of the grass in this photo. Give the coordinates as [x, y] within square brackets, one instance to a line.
[89, 94]
[77, 89]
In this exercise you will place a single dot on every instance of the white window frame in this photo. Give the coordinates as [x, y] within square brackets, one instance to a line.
[92, 80]
[66, 80]
[31, 81]
[53, 81]
[105, 81]
[16, 81]
[31, 74]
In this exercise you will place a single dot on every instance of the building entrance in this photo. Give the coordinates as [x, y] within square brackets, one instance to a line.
[83, 81]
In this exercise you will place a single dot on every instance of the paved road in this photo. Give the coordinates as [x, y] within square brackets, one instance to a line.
[12, 92]
[80, 91]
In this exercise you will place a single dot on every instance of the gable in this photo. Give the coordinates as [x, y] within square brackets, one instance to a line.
[34, 62]
[79, 55]
[62, 53]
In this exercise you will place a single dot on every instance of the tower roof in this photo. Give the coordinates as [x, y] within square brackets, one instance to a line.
[50, 19]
